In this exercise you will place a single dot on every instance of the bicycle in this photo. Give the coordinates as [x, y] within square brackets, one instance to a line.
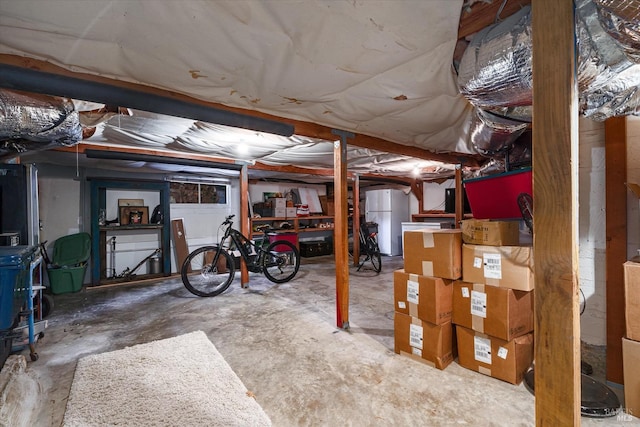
[369, 246]
[208, 271]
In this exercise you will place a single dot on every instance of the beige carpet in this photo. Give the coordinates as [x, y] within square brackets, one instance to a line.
[180, 381]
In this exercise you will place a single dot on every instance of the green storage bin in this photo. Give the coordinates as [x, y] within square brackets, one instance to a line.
[66, 279]
[70, 255]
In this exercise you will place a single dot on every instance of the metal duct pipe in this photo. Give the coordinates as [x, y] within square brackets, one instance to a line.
[621, 20]
[34, 122]
[492, 134]
[52, 84]
[496, 75]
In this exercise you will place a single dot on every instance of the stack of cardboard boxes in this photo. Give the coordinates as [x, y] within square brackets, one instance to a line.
[423, 296]
[493, 304]
[631, 344]
[491, 307]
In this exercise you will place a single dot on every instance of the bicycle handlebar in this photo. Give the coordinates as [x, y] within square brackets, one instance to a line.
[227, 220]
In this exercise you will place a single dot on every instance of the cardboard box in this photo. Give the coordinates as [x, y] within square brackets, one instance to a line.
[427, 298]
[278, 202]
[632, 299]
[630, 363]
[504, 360]
[504, 266]
[280, 212]
[291, 212]
[500, 312]
[490, 233]
[433, 253]
[424, 341]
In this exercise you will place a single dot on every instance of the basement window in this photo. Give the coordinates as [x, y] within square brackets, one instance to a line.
[198, 193]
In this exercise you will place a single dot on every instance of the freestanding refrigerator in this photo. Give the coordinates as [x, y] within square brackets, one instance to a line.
[389, 209]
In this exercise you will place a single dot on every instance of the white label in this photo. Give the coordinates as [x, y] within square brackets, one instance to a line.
[479, 304]
[502, 352]
[412, 291]
[402, 305]
[416, 351]
[492, 266]
[415, 336]
[465, 292]
[482, 349]
[477, 262]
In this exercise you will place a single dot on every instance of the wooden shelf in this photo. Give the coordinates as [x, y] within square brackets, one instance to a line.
[300, 224]
[419, 217]
[131, 227]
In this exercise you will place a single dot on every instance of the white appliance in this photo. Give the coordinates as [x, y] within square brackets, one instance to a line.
[389, 209]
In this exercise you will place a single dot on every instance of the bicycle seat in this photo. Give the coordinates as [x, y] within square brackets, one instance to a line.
[263, 227]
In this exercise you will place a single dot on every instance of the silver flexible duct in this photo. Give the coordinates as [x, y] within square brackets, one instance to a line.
[621, 20]
[495, 72]
[34, 122]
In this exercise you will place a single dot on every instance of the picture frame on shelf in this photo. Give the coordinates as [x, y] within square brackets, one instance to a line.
[133, 215]
[130, 202]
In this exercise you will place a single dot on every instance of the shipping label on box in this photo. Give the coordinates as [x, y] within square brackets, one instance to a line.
[500, 312]
[632, 299]
[433, 253]
[427, 298]
[424, 341]
[490, 233]
[504, 266]
[505, 360]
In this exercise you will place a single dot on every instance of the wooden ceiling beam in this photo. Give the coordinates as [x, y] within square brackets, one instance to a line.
[301, 128]
[484, 14]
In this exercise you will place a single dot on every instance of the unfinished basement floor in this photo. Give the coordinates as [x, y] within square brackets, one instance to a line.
[282, 342]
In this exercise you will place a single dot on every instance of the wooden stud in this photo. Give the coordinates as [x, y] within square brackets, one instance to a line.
[356, 219]
[244, 219]
[340, 232]
[555, 197]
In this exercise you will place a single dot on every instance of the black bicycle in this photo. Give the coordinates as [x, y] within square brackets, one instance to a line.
[368, 235]
[208, 271]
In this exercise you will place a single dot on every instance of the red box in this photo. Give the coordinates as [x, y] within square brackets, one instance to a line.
[496, 197]
[288, 236]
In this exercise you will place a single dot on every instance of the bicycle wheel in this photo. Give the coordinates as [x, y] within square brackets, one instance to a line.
[374, 254]
[208, 271]
[376, 261]
[281, 261]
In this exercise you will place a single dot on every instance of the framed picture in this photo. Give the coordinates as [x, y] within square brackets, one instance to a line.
[133, 215]
[130, 202]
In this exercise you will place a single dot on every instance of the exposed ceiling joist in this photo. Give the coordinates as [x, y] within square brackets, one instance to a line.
[482, 14]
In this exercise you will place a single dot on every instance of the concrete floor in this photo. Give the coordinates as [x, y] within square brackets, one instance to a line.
[282, 341]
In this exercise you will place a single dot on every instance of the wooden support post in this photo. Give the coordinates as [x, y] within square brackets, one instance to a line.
[459, 197]
[340, 232]
[417, 188]
[615, 130]
[356, 219]
[244, 219]
[555, 198]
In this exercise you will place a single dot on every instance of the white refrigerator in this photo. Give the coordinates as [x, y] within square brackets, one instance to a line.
[389, 208]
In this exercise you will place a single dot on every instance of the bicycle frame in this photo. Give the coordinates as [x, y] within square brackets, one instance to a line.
[246, 247]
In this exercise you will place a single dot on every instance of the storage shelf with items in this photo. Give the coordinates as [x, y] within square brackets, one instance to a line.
[301, 224]
[132, 221]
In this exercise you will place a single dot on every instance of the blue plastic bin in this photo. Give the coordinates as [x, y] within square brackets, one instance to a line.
[14, 280]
